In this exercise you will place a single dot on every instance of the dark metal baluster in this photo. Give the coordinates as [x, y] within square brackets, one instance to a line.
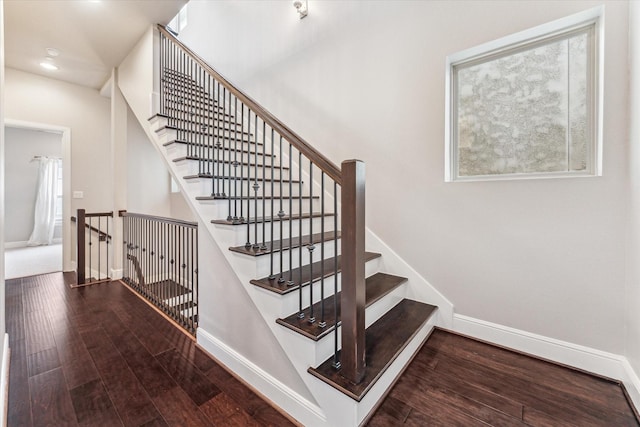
[311, 246]
[248, 244]
[90, 244]
[256, 187]
[281, 217]
[235, 164]
[107, 240]
[197, 280]
[99, 249]
[216, 181]
[207, 122]
[336, 360]
[273, 201]
[241, 219]
[300, 311]
[264, 174]
[290, 281]
[224, 149]
[323, 322]
[161, 79]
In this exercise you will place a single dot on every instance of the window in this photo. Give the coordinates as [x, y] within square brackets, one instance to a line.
[179, 22]
[528, 105]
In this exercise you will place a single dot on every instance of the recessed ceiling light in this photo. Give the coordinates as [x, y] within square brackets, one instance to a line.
[52, 51]
[48, 66]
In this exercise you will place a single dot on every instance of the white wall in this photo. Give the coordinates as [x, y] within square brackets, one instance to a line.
[39, 99]
[632, 330]
[21, 176]
[365, 79]
[148, 182]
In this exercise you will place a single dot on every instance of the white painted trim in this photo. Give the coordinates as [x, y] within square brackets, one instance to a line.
[4, 380]
[300, 408]
[66, 180]
[419, 288]
[23, 243]
[589, 359]
[632, 383]
[13, 245]
[116, 273]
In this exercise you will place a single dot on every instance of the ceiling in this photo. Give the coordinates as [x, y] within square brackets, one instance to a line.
[93, 36]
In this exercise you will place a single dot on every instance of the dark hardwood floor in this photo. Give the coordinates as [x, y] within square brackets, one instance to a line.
[99, 356]
[457, 381]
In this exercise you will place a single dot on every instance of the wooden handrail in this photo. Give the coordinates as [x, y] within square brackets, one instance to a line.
[92, 228]
[124, 213]
[294, 139]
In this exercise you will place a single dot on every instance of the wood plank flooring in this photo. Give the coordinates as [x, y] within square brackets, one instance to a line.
[457, 381]
[99, 356]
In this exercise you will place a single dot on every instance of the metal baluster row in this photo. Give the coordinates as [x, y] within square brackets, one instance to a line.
[161, 263]
[229, 129]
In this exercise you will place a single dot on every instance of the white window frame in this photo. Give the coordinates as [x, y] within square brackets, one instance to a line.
[508, 45]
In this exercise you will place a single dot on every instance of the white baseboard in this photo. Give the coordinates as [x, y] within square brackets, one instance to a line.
[632, 384]
[116, 273]
[298, 407]
[4, 380]
[23, 244]
[588, 359]
[13, 245]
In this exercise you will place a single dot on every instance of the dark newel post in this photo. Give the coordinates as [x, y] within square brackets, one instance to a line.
[80, 262]
[353, 280]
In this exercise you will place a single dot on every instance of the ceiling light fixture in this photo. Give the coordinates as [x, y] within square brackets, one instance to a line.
[52, 51]
[302, 7]
[48, 65]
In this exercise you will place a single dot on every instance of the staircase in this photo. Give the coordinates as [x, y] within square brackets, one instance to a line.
[293, 223]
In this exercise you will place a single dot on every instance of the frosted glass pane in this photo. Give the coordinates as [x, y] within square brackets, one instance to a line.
[578, 113]
[524, 112]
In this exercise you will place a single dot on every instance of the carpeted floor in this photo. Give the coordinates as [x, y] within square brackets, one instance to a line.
[23, 262]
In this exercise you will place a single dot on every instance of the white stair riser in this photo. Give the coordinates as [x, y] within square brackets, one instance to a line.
[219, 135]
[263, 262]
[297, 227]
[204, 186]
[219, 209]
[193, 167]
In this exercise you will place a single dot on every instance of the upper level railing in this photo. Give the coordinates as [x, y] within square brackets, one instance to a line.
[160, 262]
[236, 143]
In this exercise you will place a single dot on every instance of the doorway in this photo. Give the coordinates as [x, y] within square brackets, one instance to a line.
[37, 187]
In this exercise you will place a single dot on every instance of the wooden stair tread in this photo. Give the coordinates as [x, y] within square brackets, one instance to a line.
[212, 198]
[260, 220]
[203, 132]
[182, 114]
[385, 340]
[377, 286]
[185, 120]
[285, 244]
[224, 147]
[182, 96]
[181, 158]
[240, 178]
[274, 285]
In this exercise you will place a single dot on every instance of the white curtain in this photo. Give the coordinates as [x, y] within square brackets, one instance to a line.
[45, 211]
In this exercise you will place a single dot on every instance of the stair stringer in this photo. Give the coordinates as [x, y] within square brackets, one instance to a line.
[419, 289]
